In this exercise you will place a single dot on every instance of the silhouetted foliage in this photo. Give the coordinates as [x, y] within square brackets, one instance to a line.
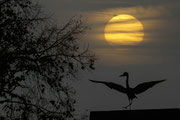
[37, 58]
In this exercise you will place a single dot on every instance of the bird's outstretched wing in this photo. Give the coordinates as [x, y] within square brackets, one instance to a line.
[112, 86]
[95, 81]
[144, 86]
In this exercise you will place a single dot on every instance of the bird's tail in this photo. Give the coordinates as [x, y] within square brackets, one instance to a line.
[95, 81]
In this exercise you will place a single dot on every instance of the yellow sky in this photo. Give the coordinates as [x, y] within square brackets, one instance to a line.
[151, 20]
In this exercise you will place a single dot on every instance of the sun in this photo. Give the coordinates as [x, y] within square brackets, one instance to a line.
[124, 30]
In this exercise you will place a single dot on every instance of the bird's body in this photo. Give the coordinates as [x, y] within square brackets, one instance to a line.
[130, 92]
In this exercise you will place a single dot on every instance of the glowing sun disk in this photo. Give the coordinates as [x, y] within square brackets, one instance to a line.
[124, 30]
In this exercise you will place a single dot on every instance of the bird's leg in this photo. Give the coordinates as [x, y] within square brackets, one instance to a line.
[129, 105]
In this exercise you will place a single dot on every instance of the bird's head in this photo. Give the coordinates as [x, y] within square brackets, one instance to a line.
[124, 74]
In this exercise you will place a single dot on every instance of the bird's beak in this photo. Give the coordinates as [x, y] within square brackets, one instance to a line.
[121, 75]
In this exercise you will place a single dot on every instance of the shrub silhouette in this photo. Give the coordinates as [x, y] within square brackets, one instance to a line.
[37, 58]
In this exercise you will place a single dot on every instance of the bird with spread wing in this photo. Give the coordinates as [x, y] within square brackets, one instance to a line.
[130, 92]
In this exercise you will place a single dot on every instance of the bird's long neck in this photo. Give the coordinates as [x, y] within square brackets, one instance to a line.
[127, 81]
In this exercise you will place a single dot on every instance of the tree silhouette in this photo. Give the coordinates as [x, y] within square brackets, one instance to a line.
[37, 59]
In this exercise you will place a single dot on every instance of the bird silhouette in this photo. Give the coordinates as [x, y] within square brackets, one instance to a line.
[130, 92]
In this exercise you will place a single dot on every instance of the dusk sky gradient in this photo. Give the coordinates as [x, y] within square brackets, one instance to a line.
[156, 57]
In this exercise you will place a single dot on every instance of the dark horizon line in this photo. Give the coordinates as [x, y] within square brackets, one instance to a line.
[139, 109]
